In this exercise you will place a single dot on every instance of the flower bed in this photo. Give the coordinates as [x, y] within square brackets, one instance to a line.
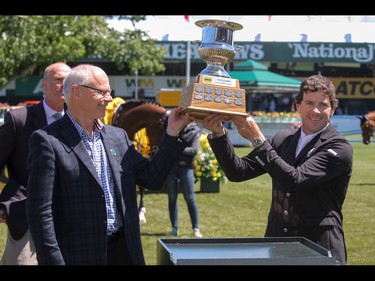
[205, 163]
[276, 117]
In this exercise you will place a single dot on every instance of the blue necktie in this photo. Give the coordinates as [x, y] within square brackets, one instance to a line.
[57, 115]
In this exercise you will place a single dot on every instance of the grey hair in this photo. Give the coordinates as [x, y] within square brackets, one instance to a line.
[80, 74]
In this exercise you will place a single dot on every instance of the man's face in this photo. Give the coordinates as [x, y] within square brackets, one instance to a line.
[53, 85]
[315, 110]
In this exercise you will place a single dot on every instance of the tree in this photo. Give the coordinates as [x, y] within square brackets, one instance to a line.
[28, 43]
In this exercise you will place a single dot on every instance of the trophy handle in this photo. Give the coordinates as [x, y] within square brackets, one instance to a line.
[238, 47]
[196, 42]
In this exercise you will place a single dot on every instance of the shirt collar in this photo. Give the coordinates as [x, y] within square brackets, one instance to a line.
[99, 126]
[309, 137]
[49, 111]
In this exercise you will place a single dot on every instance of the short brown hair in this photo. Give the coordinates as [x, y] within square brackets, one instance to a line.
[318, 83]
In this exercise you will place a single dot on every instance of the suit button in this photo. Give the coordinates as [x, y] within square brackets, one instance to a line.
[285, 229]
[286, 212]
[287, 194]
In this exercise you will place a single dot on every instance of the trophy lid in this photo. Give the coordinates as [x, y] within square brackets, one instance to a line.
[219, 23]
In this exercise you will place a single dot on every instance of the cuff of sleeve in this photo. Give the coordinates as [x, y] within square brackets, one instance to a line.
[211, 136]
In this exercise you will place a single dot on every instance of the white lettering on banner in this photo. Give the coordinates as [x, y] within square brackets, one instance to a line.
[177, 51]
[194, 51]
[304, 50]
[252, 51]
[299, 51]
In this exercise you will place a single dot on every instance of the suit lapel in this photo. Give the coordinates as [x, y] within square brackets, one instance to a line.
[73, 143]
[309, 148]
[38, 114]
[315, 143]
[113, 155]
[291, 153]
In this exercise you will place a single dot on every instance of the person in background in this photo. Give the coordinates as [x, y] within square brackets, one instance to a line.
[82, 202]
[14, 146]
[310, 167]
[183, 174]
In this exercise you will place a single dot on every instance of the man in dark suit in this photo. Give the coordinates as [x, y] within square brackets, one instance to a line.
[310, 167]
[82, 200]
[14, 146]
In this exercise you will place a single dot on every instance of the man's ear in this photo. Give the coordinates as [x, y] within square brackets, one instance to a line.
[75, 91]
[43, 84]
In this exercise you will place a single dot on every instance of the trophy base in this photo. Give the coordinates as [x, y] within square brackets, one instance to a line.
[200, 112]
[213, 94]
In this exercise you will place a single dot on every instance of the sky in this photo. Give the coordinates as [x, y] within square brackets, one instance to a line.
[337, 28]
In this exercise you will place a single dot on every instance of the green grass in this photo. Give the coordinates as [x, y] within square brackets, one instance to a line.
[240, 210]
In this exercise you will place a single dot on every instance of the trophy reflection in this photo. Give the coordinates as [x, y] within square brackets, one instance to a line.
[213, 91]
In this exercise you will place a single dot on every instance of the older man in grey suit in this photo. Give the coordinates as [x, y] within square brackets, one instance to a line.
[14, 149]
[81, 205]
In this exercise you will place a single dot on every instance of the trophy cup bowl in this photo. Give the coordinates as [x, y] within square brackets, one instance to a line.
[216, 47]
[213, 91]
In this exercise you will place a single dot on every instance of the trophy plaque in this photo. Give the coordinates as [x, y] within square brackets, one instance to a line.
[213, 91]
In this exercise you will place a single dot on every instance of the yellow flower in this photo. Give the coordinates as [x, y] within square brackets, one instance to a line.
[275, 115]
[205, 163]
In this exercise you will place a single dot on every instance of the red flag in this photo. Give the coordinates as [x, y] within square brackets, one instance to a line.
[187, 18]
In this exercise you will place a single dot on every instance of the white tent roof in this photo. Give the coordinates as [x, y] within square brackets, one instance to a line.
[264, 28]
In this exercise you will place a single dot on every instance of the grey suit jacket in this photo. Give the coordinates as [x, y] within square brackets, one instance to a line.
[14, 148]
[66, 208]
[308, 192]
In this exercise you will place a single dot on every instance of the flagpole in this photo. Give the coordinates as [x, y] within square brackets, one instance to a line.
[188, 54]
[136, 84]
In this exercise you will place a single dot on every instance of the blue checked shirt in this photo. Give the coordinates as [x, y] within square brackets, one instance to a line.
[98, 156]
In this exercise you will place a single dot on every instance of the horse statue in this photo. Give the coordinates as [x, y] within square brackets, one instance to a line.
[367, 126]
[145, 122]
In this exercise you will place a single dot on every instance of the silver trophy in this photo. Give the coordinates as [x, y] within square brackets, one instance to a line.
[216, 47]
[213, 91]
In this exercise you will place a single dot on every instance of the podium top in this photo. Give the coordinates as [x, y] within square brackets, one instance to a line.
[243, 251]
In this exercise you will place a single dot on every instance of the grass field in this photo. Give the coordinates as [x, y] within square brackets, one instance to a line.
[240, 210]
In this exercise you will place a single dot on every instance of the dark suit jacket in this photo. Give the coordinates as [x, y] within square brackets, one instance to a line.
[307, 192]
[66, 208]
[14, 148]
